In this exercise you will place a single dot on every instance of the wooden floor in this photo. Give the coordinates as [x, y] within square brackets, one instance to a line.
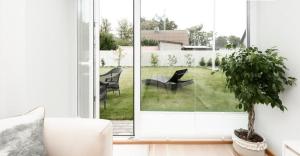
[173, 150]
[191, 150]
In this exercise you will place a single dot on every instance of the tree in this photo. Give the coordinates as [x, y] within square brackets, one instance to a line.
[158, 22]
[170, 25]
[194, 33]
[148, 24]
[199, 37]
[221, 42]
[256, 78]
[120, 55]
[105, 26]
[107, 41]
[234, 40]
[125, 32]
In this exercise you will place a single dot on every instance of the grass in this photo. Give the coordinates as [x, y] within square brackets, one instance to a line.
[207, 94]
[119, 107]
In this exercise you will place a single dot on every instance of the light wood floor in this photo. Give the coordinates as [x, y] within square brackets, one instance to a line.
[174, 150]
[191, 150]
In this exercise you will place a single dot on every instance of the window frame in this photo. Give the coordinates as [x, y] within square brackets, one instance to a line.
[139, 115]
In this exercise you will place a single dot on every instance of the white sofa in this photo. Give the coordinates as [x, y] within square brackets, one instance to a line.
[78, 137]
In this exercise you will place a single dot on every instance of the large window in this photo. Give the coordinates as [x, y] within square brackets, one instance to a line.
[182, 42]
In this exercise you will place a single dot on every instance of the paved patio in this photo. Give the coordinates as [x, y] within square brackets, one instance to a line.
[122, 127]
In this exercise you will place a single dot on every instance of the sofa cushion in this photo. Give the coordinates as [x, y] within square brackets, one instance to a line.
[23, 135]
[78, 137]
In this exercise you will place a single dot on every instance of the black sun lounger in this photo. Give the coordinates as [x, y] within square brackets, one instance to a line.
[172, 83]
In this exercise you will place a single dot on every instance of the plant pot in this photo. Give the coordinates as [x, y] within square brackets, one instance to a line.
[247, 148]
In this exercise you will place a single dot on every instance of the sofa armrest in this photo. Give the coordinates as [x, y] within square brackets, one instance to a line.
[78, 137]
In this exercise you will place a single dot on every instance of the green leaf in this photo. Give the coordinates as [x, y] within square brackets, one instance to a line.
[256, 76]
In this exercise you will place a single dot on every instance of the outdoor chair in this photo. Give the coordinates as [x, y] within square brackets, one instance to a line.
[172, 83]
[103, 93]
[112, 77]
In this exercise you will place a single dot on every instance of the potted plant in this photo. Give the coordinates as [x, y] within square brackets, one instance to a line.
[255, 77]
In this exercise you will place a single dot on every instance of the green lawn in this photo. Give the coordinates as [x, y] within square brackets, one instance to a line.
[120, 107]
[207, 94]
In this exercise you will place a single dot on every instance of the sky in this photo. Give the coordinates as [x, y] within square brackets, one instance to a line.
[230, 15]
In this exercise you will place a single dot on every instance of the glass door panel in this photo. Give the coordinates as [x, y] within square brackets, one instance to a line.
[180, 97]
[116, 64]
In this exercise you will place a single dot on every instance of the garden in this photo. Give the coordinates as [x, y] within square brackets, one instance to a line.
[207, 94]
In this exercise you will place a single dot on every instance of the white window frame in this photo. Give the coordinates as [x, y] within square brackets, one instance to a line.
[168, 124]
[172, 124]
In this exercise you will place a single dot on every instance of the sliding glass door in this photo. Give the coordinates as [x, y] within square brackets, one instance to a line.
[116, 64]
[163, 77]
[182, 43]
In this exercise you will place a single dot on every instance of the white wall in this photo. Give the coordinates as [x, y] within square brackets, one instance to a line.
[110, 56]
[276, 23]
[38, 56]
[169, 46]
[188, 125]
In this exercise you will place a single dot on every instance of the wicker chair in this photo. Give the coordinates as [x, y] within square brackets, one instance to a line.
[103, 93]
[112, 78]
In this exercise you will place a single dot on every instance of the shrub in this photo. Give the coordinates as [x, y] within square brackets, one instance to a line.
[107, 41]
[217, 62]
[172, 60]
[189, 59]
[124, 42]
[154, 60]
[102, 62]
[202, 62]
[149, 42]
[209, 63]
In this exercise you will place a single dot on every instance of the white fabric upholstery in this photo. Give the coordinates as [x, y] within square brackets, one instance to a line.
[78, 137]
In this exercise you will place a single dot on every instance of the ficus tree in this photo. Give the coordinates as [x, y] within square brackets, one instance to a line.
[256, 77]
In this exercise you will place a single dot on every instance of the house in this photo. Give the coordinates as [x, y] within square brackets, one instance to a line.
[196, 48]
[168, 39]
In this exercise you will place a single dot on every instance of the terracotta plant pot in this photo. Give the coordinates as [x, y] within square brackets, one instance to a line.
[247, 148]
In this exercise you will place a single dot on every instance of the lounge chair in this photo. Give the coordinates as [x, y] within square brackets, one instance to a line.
[172, 83]
[112, 78]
